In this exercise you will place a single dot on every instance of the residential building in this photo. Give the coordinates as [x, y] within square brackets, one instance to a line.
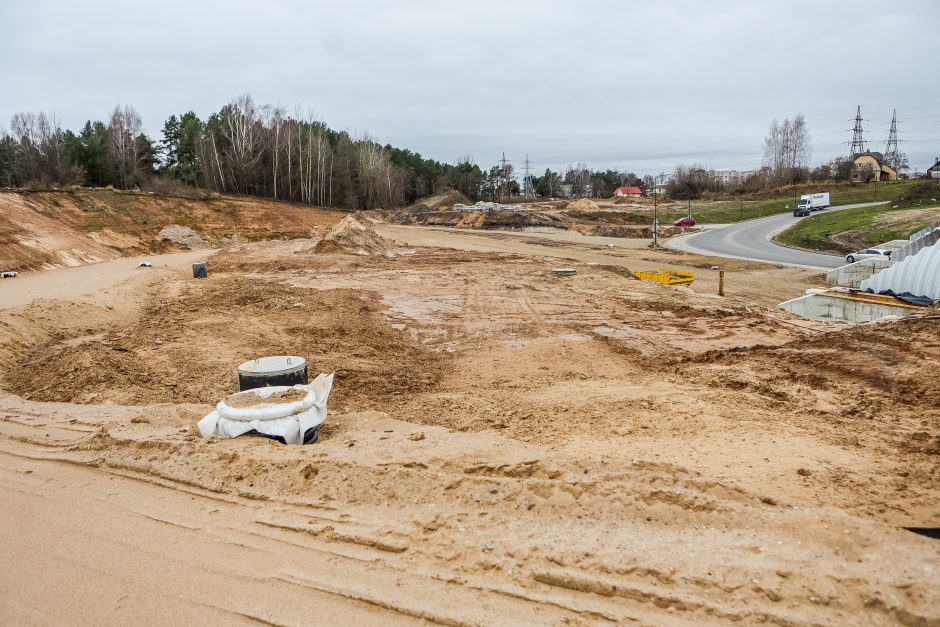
[870, 166]
[731, 177]
[566, 190]
[933, 172]
[627, 191]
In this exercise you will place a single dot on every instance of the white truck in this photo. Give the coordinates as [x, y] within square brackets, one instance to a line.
[811, 202]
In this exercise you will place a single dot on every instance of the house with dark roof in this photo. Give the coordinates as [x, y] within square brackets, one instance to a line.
[871, 166]
[933, 172]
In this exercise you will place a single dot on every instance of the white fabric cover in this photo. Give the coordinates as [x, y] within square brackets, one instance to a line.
[287, 420]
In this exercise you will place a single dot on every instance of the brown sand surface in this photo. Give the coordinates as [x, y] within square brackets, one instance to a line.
[504, 446]
[255, 400]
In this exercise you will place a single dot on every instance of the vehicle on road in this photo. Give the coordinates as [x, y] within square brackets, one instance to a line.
[686, 221]
[811, 202]
[7, 275]
[867, 253]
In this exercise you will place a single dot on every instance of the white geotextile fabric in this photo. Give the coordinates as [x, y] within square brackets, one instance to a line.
[287, 420]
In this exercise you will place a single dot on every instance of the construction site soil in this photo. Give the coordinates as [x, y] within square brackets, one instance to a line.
[504, 446]
[61, 228]
[581, 216]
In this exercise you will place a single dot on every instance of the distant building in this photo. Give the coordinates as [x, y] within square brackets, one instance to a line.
[731, 177]
[567, 191]
[933, 172]
[659, 189]
[870, 166]
[627, 191]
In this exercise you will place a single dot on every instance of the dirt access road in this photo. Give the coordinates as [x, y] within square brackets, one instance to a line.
[85, 283]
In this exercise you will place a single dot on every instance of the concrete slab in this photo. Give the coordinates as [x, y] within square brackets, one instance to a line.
[845, 306]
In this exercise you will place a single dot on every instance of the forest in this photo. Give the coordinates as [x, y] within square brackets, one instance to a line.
[263, 150]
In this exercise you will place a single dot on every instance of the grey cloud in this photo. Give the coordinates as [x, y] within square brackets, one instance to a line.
[613, 84]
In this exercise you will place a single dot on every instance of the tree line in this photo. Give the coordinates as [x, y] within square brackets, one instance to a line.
[262, 150]
[244, 148]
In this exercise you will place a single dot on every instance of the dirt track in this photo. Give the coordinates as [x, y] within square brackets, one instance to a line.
[504, 446]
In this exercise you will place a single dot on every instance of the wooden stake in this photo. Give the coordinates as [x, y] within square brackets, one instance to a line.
[721, 282]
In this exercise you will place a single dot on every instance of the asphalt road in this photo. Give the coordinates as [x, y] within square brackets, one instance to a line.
[751, 240]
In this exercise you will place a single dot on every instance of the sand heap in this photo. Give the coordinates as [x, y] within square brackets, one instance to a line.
[183, 236]
[352, 236]
[582, 205]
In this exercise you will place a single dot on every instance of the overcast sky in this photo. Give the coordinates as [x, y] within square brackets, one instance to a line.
[641, 86]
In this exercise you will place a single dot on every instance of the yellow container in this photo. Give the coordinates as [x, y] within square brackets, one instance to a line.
[667, 277]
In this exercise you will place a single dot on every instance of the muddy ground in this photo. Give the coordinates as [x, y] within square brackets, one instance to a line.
[586, 449]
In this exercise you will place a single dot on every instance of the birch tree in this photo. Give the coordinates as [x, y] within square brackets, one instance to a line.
[787, 149]
[123, 130]
[240, 125]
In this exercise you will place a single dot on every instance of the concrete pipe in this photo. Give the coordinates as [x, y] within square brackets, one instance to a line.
[269, 371]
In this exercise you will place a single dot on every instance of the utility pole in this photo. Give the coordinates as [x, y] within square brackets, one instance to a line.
[527, 178]
[892, 145]
[659, 178]
[655, 219]
[504, 178]
[858, 144]
[892, 153]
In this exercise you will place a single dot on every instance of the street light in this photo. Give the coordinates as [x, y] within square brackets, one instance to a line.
[659, 178]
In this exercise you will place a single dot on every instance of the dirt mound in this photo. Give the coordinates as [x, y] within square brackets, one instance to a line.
[608, 217]
[443, 200]
[55, 229]
[181, 354]
[584, 204]
[352, 236]
[183, 236]
[925, 194]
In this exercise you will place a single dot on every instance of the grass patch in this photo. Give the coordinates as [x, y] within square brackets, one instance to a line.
[725, 211]
[851, 229]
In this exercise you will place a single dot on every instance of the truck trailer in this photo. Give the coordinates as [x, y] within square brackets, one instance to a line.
[811, 202]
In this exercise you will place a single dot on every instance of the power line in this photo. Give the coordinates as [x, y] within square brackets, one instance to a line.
[858, 144]
[891, 147]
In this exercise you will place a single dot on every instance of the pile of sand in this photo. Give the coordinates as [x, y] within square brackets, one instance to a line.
[183, 236]
[352, 236]
[583, 204]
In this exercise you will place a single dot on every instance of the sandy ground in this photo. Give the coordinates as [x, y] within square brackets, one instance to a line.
[86, 283]
[504, 446]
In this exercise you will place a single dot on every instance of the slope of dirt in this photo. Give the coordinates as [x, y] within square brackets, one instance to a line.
[582, 216]
[444, 200]
[45, 230]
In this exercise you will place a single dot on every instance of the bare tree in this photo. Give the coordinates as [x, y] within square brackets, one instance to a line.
[240, 125]
[579, 177]
[787, 149]
[26, 155]
[275, 120]
[123, 130]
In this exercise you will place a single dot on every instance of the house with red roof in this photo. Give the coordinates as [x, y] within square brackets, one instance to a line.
[627, 191]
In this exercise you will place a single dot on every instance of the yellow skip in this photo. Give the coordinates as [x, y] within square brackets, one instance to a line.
[668, 277]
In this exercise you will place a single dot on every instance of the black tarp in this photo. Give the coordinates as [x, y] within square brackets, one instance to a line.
[907, 297]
